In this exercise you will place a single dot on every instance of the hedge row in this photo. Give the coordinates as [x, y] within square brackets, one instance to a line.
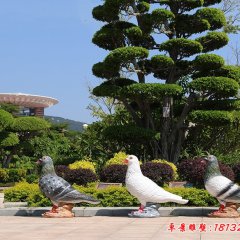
[109, 197]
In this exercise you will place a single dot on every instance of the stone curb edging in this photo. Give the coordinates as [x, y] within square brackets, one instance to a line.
[108, 211]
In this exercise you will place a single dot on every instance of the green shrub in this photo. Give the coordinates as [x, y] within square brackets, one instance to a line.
[12, 175]
[160, 173]
[32, 178]
[36, 199]
[78, 176]
[26, 192]
[85, 164]
[197, 197]
[30, 124]
[117, 159]
[230, 158]
[6, 119]
[16, 175]
[172, 165]
[20, 192]
[114, 173]
[109, 197]
[3, 175]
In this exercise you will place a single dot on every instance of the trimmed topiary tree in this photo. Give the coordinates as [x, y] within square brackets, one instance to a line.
[172, 165]
[118, 158]
[160, 173]
[191, 77]
[80, 176]
[114, 173]
[84, 164]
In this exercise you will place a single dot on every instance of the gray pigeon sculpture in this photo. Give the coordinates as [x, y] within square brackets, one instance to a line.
[146, 191]
[59, 191]
[222, 188]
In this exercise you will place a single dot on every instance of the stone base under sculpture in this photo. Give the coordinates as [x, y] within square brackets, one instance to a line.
[230, 211]
[62, 211]
[149, 211]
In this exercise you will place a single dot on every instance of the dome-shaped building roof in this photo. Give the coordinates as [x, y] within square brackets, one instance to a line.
[34, 104]
[27, 100]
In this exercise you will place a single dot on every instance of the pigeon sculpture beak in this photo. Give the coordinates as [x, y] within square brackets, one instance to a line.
[125, 161]
[39, 161]
[204, 160]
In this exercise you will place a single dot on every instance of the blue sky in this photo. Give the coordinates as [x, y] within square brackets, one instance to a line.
[46, 49]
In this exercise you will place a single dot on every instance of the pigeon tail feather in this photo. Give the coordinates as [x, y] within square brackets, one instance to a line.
[181, 201]
[93, 201]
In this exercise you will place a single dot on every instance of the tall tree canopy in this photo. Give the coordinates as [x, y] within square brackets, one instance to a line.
[170, 41]
[16, 132]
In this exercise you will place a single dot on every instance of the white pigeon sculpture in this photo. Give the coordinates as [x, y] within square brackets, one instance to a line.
[145, 190]
[222, 188]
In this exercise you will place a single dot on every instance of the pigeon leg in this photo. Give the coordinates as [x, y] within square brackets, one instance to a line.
[141, 208]
[229, 211]
[54, 208]
[219, 211]
[149, 211]
[221, 208]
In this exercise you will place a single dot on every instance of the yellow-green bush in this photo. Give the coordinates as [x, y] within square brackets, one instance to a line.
[26, 192]
[9, 175]
[111, 196]
[3, 175]
[85, 164]
[197, 197]
[172, 165]
[117, 159]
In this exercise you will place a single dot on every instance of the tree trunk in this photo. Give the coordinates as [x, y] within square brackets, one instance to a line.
[6, 161]
[166, 124]
[172, 137]
[176, 146]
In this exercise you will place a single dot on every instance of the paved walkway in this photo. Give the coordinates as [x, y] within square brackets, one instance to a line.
[117, 228]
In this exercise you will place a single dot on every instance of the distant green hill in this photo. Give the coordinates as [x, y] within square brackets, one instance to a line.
[72, 125]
